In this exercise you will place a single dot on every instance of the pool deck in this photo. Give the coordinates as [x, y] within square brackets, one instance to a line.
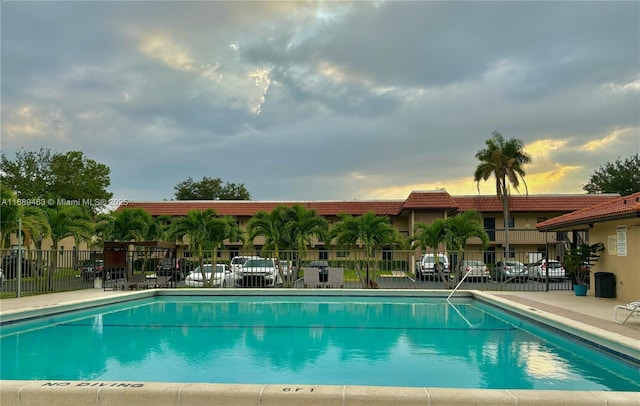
[588, 314]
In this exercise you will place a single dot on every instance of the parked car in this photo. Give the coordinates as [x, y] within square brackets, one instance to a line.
[539, 270]
[177, 268]
[92, 269]
[258, 272]
[506, 270]
[223, 277]
[10, 266]
[474, 269]
[426, 266]
[238, 262]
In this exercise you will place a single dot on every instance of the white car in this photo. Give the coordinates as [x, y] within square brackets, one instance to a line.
[426, 266]
[258, 272]
[223, 277]
[539, 270]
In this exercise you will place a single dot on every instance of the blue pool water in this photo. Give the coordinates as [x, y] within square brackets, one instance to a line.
[383, 341]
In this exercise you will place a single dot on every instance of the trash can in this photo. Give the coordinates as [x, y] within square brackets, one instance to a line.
[97, 283]
[605, 284]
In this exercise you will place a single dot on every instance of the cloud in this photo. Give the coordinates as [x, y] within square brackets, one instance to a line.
[322, 100]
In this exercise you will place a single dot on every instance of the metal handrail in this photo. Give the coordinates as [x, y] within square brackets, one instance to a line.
[458, 285]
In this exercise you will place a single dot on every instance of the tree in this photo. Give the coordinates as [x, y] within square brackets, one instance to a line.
[463, 226]
[300, 229]
[195, 226]
[219, 229]
[273, 227]
[621, 177]
[125, 225]
[432, 236]
[10, 212]
[370, 230]
[210, 189]
[503, 160]
[46, 175]
[67, 221]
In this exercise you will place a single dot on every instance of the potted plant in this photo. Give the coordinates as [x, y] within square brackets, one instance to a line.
[578, 262]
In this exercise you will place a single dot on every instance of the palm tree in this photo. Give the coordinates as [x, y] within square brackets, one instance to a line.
[463, 226]
[432, 236]
[35, 226]
[273, 227]
[9, 215]
[126, 225]
[219, 229]
[370, 230]
[194, 226]
[301, 227]
[504, 160]
[67, 221]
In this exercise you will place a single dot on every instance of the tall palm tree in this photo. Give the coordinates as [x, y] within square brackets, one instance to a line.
[273, 227]
[302, 226]
[432, 236]
[463, 226]
[505, 161]
[370, 230]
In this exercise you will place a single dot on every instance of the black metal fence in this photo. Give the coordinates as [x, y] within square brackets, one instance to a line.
[55, 271]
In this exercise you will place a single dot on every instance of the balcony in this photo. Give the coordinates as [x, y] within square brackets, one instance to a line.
[520, 236]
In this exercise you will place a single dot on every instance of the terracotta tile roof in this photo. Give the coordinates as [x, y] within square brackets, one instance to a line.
[249, 208]
[621, 207]
[432, 199]
[417, 200]
[541, 203]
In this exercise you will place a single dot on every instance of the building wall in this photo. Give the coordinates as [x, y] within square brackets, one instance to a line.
[66, 244]
[626, 268]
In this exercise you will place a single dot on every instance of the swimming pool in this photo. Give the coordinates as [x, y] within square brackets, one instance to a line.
[331, 340]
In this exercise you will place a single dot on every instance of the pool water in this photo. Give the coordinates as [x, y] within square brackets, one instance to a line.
[381, 341]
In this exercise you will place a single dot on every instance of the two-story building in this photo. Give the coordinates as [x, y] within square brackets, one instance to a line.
[418, 207]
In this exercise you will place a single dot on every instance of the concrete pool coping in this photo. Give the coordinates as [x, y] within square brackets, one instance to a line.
[625, 342]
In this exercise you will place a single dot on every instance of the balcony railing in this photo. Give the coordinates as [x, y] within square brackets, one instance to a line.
[520, 236]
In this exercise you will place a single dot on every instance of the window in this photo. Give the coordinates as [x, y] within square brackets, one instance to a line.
[323, 254]
[512, 252]
[342, 254]
[512, 223]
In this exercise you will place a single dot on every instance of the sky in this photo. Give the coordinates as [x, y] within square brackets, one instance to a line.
[322, 100]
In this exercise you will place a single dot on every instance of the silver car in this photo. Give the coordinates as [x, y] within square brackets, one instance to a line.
[509, 270]
[474, 269]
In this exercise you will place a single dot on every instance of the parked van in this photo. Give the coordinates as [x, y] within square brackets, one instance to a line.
[426, 266]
